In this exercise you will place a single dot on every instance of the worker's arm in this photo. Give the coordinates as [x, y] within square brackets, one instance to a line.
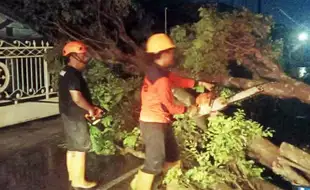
[164, 92]
[181, 82]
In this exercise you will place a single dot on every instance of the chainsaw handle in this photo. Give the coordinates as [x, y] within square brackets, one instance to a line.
[92, 118]
[89, 118]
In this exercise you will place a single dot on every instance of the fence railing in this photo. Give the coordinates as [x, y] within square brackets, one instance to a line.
[23, 71]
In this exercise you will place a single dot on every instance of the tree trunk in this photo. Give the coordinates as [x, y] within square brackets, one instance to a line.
[263, 151]
[296, 155]
[268, 154]
[289, 174]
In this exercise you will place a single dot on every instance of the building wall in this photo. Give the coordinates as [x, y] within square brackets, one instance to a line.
[10, 29]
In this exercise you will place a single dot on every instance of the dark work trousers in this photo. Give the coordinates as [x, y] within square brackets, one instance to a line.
[160, 146]
[76, 133]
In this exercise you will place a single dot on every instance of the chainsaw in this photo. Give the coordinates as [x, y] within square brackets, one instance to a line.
[219, 104]
[94, 120]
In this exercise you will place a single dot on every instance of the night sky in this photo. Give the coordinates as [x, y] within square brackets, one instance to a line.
[299, 10]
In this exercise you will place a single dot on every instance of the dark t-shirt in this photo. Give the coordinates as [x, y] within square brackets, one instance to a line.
[71, 79]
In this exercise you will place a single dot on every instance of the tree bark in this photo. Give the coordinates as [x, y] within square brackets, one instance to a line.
[263, 151]
[285, 161]
[289, 174]
[268, 154]
[296, 155]
[291, 89]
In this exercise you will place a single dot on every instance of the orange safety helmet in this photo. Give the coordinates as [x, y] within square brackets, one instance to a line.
[74, 47]
[159, 42]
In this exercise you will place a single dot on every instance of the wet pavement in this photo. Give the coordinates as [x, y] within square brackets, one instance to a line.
[31, 158]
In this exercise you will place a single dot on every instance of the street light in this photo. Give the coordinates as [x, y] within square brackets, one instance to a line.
[302, 71]
[303, 36]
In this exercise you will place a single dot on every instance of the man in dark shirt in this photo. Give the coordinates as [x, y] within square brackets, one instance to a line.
[74, 103]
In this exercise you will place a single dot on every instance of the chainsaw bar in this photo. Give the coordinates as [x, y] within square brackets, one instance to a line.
[238, 97]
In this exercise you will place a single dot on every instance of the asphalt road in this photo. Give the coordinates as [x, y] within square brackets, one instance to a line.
[32, 158]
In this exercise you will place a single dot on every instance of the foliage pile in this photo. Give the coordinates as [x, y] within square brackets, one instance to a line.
[118, 97]
[218, 38]
[216, 155]
[211, 157]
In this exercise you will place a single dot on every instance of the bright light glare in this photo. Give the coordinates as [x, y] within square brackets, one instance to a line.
[302, 72]
[303, 36]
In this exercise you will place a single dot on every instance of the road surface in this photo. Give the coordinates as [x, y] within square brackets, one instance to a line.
[32, 158]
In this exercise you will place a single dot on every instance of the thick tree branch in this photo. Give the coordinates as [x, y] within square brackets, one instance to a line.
[118, 23]
[285, 161]
[294, 89]
[228, 81]
[296, 155]
[260, 69]
[290, 174]
[273, 67]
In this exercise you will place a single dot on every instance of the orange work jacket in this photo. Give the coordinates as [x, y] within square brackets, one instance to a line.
[156, 95]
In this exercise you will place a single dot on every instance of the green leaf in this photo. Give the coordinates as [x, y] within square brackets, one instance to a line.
[107, 121]
[199, 89]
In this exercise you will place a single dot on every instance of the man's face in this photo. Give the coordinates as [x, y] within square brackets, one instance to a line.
[82, 60]
[167, 58]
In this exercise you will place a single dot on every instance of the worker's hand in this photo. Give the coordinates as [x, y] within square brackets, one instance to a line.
[98, 111]
[208, 86]
[92, 112]
[192, 110]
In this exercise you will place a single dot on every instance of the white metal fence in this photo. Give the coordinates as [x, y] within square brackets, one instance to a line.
[23, 71]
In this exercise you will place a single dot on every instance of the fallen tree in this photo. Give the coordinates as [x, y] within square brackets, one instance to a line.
[117, 36]
[287, 160]
[205, 51]
[220, 38]
[283, 160]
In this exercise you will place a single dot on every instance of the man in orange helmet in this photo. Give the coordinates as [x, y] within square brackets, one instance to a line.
[74, 103]
[156, 111]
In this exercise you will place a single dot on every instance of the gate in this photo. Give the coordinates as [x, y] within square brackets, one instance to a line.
[26, 92]
[23, 71]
